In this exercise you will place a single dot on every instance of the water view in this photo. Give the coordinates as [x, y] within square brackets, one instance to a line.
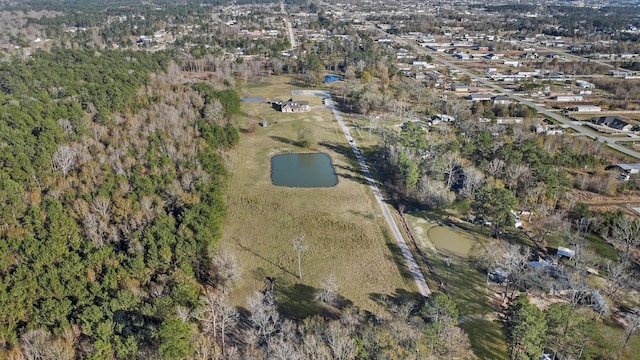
[303, 170]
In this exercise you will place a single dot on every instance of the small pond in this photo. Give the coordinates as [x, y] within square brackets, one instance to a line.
[451, 240]
[303, 170]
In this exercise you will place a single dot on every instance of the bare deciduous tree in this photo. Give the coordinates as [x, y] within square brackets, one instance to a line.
[434, 193]
[264, 314]
[450, 164]
[473, 179]
[204, 348]
[226, 270]
[101, 206]
[328, 291]
[214, 113]
[39, 344]
[626, 234]
[183, 313]
[313, 347]
[340, 342]
[64, 159]
[66, 125]
[549, 223]
[495, 167]
[283, 349]
[228, 319]
[618, 277]
[216, 316]
[93, 229]
[517, 176]
[514, 260]
[454, 342]
[34, 344]
[632, 324]
[579, 289]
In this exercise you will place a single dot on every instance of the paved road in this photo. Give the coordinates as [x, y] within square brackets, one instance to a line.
[566, 123]
[410, 261]
[576, 57]
[292, 39]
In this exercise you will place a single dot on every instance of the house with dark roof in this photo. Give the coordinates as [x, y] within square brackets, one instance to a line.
[501, 100]
[291, 106]
[480, 97]
[625, 171]
[612, 122]
[629, 168]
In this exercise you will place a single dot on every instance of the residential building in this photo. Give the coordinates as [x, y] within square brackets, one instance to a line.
[291, 106]
[585, 108]
[480, 97]
[568, 98]
[585, 84]
[612, 122]
[501, 100]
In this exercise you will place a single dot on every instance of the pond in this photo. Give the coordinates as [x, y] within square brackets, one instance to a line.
[303, 170]
[451, 240]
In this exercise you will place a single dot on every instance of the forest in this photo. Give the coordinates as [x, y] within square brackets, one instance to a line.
[113, 181]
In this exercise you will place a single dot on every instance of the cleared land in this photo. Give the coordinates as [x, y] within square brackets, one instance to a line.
[345, 235]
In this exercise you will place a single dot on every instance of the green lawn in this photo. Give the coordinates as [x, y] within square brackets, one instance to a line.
[601, 247]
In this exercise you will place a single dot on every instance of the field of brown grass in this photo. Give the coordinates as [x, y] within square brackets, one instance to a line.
[344, 234]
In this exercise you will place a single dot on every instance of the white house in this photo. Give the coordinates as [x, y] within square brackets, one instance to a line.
[568, 253]
[568, 98]
[586, 108]
[585, 84]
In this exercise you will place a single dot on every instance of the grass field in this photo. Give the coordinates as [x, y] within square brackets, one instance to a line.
[344, 233]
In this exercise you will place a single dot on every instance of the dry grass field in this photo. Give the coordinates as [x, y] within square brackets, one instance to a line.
[344, 234]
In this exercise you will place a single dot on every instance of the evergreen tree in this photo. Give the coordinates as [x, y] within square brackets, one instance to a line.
[525, 326]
